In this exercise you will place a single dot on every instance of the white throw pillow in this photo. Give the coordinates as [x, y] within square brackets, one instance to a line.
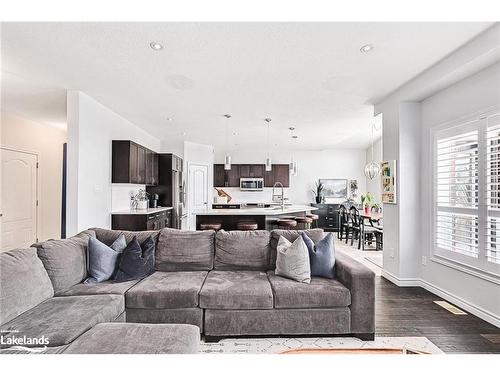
[292, 260]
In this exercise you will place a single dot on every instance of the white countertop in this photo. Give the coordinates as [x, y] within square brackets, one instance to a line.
[141, 212]
[257, 211]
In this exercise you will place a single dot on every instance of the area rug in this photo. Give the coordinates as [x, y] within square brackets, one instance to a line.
[280, 345]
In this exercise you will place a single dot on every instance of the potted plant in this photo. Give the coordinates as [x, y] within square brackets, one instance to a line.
[318, 191]
[367, 201]
[141, 199]
[376, 207]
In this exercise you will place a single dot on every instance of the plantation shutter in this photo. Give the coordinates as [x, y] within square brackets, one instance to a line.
[457, 193]
[493, 189]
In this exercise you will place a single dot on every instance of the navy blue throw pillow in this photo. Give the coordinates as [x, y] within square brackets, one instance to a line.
[137, 260]
[321, 256]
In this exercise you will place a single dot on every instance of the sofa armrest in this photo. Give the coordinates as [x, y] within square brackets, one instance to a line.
[360, 280]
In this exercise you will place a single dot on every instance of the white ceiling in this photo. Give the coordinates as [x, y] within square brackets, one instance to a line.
[308, 75]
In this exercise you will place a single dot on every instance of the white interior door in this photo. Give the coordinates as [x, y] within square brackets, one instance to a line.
[19, 199]
[197, 191]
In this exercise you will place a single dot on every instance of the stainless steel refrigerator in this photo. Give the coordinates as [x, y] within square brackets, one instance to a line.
[170, 188]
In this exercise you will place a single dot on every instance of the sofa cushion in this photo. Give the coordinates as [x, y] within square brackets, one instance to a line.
[291, 235]
[320, 293]
[130, 338]
[242, 250]
[180, 250]
[106, 287]
[321, 255]
[246, 290]
[166, 290]
[293, 260]
[108, 236]
[63, 319]
[137, 260]
[24, 283]
[102, 259]
[65, 260]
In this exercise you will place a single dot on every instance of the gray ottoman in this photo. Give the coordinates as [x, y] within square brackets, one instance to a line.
[134, 338]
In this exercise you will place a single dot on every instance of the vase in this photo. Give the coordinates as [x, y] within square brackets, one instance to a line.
[142, 205]
[367, 210]
[318, 200]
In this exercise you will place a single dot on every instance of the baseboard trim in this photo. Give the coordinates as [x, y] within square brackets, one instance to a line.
[460, 302]
[463, 304]
[400, 281]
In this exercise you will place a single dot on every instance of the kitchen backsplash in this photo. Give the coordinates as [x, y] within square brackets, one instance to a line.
[121, 193]
[264, 196]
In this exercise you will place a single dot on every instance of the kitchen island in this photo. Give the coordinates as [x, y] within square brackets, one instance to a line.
[264, 217]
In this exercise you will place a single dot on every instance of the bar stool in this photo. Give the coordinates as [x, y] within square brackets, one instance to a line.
[285, 223]
[247, 225]
[304, 222]
[315, 218]
[211, 226]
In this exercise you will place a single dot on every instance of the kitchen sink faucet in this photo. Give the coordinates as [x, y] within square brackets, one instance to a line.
[282, 196]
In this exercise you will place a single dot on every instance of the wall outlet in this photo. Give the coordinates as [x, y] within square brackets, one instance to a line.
[424, 260]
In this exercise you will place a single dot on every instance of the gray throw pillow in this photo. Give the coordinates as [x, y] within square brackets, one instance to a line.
[103, 259]
[321, 256]
[292, 260]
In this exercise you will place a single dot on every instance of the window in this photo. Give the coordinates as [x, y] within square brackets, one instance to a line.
[467, 193]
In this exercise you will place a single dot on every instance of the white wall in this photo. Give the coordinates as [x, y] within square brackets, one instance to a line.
[195, 153]
[312, 165]
[46, 141]
[476, 93]
[406, 138]
[91, 128]
[375, 186]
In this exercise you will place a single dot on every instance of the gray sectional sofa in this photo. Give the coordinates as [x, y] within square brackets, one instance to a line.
[221, 282]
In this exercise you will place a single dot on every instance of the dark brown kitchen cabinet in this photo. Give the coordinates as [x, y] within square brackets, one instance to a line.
[140, 222]
[279, 173]
[282, 174]
[231, 178]
[151, 168]
[219, 175]
[132, 163]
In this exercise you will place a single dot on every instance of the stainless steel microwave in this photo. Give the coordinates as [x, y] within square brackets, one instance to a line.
[252, 184]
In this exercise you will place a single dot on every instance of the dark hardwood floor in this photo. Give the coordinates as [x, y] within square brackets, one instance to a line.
[411, 311]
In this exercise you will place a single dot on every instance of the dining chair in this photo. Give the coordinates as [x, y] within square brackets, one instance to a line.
[345, 223]
[363, 233]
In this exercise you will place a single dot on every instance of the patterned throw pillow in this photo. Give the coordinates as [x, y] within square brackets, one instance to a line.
[292, 260]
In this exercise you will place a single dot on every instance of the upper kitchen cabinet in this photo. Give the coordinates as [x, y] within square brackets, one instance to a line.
[231, 178]
[151, 168]
[219, 175]
[133, 164]
[279, 173]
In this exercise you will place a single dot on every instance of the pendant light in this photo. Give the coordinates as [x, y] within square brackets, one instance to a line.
[269, 164]
[227, 157]
[293, 163]
[372, 169]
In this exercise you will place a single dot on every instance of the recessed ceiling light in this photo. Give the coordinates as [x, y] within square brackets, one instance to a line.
[170, 119]
[235, 133]
[184, 133]
[156, 46]
[295, 136]
[366, 48]
[227, 115]
[291, 128]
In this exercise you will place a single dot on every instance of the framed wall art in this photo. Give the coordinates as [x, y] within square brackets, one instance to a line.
[388, 177]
